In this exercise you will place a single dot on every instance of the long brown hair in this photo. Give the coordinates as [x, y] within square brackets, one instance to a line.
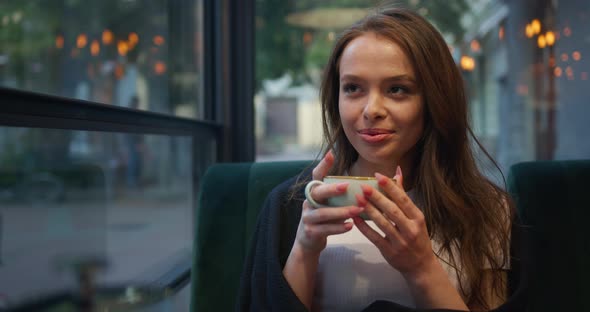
[465, 212]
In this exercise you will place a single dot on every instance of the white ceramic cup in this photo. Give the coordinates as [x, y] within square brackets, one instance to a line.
[346, 199]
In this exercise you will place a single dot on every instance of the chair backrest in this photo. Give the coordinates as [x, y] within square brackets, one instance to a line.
[553, 198]
[230, 198]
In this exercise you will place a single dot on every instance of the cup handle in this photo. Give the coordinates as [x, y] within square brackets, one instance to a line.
[308, 188]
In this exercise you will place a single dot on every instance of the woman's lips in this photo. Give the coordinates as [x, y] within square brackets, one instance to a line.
[375, 135]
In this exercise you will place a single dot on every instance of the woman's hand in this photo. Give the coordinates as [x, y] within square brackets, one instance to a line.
[317, 224]
[406, 245]
[314, 227]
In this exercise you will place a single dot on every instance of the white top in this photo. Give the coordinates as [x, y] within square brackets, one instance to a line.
[352, 274]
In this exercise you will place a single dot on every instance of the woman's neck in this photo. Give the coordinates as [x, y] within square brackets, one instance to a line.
[367, 169]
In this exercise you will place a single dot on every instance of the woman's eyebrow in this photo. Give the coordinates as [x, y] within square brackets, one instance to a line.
[397, 78]
[405, 78]
[349, 77]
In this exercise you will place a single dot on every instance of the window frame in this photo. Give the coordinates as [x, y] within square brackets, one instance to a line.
[228, 99]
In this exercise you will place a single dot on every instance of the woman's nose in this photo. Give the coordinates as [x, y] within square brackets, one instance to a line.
[374, 108]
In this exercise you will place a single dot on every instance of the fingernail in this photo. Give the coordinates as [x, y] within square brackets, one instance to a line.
[353, 212]
[367, 191]
[341, 187]
[398, 171]
[329, 154]
[360, 200]
[381, 179]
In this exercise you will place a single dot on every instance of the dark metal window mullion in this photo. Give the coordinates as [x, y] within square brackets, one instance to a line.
[33, 110]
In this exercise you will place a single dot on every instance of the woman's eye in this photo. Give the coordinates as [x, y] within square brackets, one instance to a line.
[398, 90]
[350, 88]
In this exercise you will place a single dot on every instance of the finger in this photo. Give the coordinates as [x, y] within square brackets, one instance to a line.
[331, 214]
[321, 193]
[384, 224]
[398, 196]
[323, 230]
[386, 206]
[307, 206]
[321, 170]
[379, 241]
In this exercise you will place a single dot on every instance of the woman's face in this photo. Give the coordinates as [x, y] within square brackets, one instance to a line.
[379, 100]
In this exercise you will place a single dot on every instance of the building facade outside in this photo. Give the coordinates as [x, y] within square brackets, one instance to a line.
[525, 65]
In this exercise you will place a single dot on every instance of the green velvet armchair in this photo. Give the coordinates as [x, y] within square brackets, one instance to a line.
[230, 198]
[552, 198]
[553, 201]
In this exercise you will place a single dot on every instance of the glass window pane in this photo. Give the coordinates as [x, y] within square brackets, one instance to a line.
[135, 54]
[293, 43]
[529, 81]
[67, 198]
[525, 64]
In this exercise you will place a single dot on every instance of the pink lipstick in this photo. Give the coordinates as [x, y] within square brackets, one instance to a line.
[375, 135]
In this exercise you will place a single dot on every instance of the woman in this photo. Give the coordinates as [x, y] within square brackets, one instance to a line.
[393, 106]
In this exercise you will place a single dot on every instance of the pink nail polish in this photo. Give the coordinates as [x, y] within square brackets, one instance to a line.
[360, 200]
[366, 190]
[381, 179]
[341, 187]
